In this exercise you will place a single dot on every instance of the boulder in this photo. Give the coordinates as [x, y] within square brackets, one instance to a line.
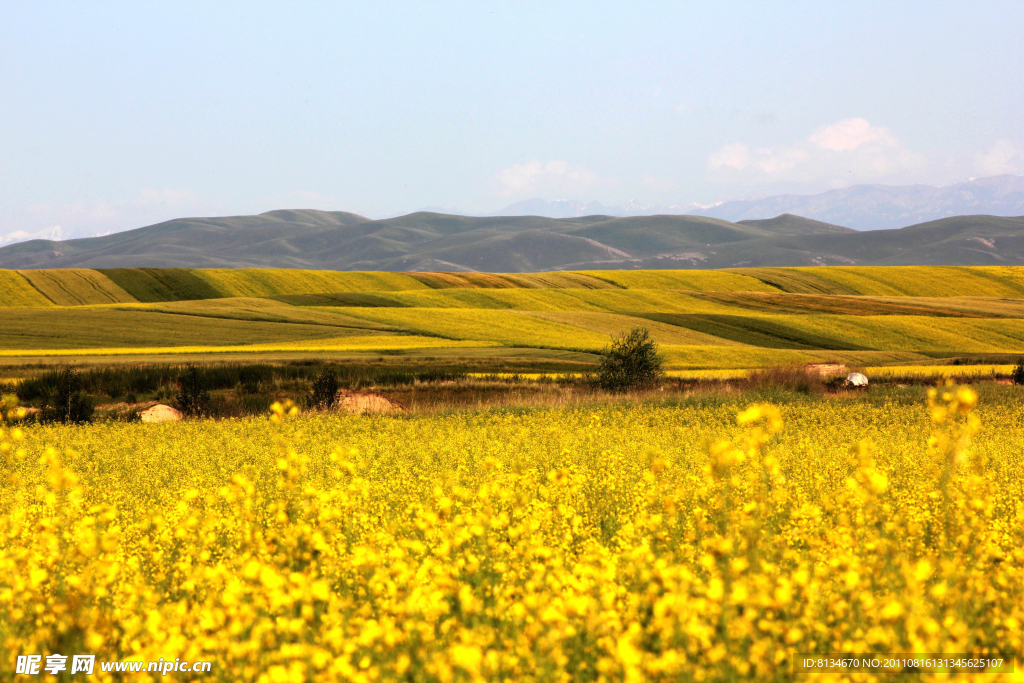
[367, 403]
[161, 413]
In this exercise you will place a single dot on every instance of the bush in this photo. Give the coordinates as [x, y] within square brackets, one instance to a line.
[632, 362]
[193, 398]
[1018, 372]
[325, 389]
[66, 402]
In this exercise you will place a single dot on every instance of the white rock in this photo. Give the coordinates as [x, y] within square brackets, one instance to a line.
[161, 413]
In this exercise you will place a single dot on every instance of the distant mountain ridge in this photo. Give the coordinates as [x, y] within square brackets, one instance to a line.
[883, 207]
[862, 207]
[426, 241]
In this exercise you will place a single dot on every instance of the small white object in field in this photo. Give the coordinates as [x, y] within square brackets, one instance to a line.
[160, 413]
[855, 379]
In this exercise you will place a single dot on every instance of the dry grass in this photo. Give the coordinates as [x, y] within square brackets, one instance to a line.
[795, 378]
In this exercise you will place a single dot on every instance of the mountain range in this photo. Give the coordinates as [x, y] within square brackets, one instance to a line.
[426, 241]
[862, 207]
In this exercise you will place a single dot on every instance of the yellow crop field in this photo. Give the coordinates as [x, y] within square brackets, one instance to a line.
[550, 280]
[904, 313]
[263, 310]
[267, 282]
[932, 371]
[613, 324]
[746, 357]
[509, 328]
[76, 287]
[915, 333]
[695, 357]
[377, 342]
[16, 292]
[694, 280]
[923, 280]
[613, 543]
[557, 300]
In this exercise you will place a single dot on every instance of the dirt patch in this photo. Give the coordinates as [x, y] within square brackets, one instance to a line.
[160, 413]
[361, 403]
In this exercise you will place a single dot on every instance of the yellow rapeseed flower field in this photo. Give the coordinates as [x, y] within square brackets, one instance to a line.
[618, 543]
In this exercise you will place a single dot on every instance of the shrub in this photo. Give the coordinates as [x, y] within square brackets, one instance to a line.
[325, 389]
[67, 402]
[632, 362]
[1018, 372]
[193, 398]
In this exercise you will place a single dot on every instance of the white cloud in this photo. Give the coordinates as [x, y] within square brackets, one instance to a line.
[54, 232]
[736, 155]
[1002, 157]
[850, 134]
[851, 150]
[552, 177]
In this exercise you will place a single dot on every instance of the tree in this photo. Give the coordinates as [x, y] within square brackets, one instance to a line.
[68, 402]
[325, 389]
[632, 362]
[193, 398]
[1018, 372]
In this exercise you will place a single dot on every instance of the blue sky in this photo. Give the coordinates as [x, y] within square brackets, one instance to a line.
[117, 115]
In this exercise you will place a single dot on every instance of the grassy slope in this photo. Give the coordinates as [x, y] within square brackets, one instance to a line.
[275, 282]
[771, 332]
[838, 332]
[914, 333]
[695, 280]
[264, 310]
[922, 280]
[910, 310]
[556, 280]
[614, 323]
[316, 347]
[715, 357]
[58, 328]
[511, 328]
[17, 292]
[794, 281]
[163, 284]
[76, 287]
[778, 302]
[623, 301]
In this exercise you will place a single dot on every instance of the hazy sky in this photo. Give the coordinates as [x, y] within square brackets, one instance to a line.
[117, 115]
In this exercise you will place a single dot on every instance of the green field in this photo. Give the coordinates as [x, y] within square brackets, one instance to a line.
[738, 318]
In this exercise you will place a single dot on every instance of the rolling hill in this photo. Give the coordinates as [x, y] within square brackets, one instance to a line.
[424, 241]
[735, 318]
